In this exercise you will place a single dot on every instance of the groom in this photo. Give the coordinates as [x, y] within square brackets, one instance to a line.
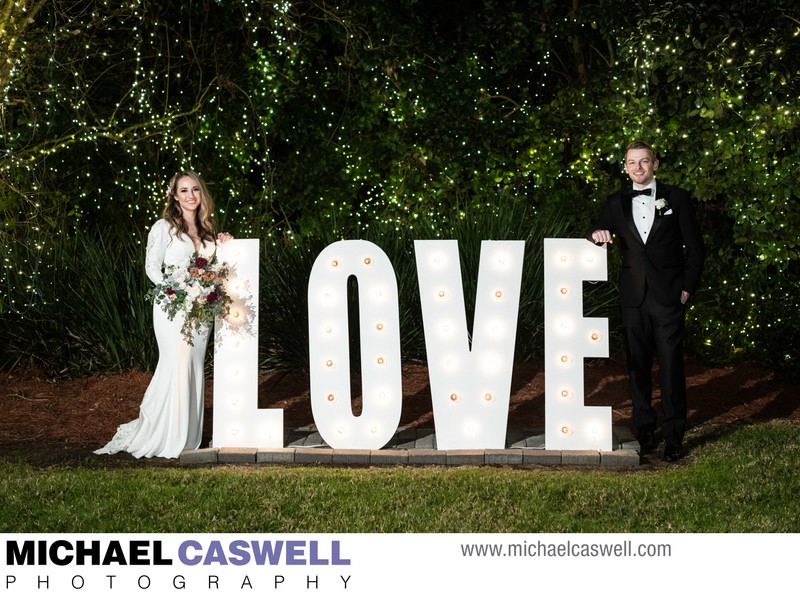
[662, 258]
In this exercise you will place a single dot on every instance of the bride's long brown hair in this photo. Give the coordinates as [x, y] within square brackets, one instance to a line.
[172, 210]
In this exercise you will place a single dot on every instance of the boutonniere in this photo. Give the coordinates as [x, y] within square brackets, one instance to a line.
[662, 207]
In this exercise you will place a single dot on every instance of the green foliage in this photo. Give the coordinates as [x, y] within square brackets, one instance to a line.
[286, 265]
[311, 120]
[77, 304]
[743, 481]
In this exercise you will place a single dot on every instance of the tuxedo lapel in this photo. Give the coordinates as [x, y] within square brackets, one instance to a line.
[662, 192]
[627, 210]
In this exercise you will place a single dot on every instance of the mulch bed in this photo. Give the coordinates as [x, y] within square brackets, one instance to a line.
[48, 420]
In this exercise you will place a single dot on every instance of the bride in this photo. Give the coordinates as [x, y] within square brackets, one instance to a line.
[171, 414]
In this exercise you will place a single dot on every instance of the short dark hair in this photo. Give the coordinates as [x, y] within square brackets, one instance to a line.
[641, 144]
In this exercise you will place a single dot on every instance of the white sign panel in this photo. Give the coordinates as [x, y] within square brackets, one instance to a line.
[470, 379]
[238, 422]
[470, 371]
[569, 337]
[329, 354]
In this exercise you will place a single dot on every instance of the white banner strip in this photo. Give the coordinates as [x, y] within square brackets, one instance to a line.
[370, 563]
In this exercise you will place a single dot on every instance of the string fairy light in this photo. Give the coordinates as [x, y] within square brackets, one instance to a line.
[122, 98]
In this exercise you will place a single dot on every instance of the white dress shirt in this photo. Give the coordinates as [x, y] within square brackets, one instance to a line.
[644, 210]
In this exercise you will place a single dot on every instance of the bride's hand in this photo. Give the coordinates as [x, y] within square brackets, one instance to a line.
[224, 237]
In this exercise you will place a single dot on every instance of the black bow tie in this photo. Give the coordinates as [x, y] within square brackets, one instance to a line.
[646, 192]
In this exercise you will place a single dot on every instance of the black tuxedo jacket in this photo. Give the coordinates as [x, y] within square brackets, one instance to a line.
[672, 259]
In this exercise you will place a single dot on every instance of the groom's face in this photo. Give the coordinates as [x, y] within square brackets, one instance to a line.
[641, 166]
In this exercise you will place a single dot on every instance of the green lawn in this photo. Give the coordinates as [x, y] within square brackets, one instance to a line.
[735, 480]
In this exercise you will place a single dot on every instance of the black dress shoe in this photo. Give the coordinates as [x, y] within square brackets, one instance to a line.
[673, 452]
[646, 439]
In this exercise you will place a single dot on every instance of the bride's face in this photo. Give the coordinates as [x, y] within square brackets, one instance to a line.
[188, 194]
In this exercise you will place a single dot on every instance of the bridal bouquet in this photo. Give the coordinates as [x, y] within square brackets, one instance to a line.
[196, 290]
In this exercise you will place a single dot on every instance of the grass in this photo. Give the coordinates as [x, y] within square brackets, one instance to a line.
[742, 480]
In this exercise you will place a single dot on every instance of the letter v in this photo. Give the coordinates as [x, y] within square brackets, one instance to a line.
[470, 384]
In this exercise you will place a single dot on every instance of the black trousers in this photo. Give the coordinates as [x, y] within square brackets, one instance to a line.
[656, 330]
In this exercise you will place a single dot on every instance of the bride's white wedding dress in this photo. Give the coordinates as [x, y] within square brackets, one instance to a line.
[171, 414]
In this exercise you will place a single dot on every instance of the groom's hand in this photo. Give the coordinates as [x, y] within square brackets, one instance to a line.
[602, 236]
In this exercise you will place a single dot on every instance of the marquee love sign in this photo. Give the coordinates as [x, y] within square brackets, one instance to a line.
[470, 380]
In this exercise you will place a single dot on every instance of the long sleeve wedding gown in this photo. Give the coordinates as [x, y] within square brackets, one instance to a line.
[171, 414]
